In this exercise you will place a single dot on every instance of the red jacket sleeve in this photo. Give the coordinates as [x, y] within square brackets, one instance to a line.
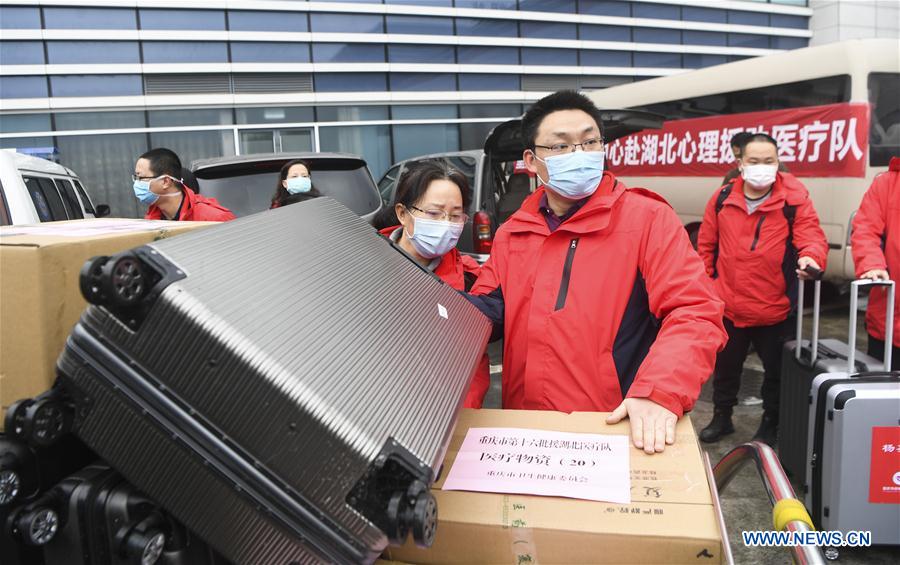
[809, 239]
[691, 331]
[708, 238]
[481, 382]
[868, 227]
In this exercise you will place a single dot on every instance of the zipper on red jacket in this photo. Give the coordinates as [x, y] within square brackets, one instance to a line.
[756, 235]
[567, 273]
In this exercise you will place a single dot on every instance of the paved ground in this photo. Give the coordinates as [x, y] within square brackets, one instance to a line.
[745, 503]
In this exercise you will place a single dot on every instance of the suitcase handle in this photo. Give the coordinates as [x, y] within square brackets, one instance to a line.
[888, 324]
[817, 294]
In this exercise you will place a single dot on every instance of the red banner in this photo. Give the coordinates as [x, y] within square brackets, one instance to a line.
[815, 141]
[884, 473]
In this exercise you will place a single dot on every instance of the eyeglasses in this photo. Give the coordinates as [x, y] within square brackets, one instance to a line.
[138, 177]
[441, 216]
[593, 144]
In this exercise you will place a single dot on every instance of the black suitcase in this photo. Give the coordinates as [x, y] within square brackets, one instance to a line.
[285, 384]
[801, 362]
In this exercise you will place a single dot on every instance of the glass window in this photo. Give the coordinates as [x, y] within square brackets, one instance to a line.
[421, 54]
[242, 20]
[487, 4]
[591, 58]
[604, 33]
[348, 53]
[252, 52]
[205, 20]
[419, 112]
[23, 87]
[98, 120]
[89, 18]
[654, 35]
[20, 18]
[347, 23]
[193, 145]
[709, 15]
[446, 3]
[420, 25]
[185, 52]
[788, 42]
[656, 11]
[748, 18]
[42, 202]
[488, 82]
[351, 113]
[549, 30]
[473, 135]
[372, 143]
[293, 114]
[195, 117]
[96, 85]
[884, 130]
[51, 194]
[386, 185]
[22, 52]
[423, 81]
[748, 40]
[90, 52]
[782, 20]
[415, 140]
[21, 123]
[658, 60]
[488, 55]
[350, 82]
[505, 111]
[70, 200]
[540, 56]
[692, 61]
[704, 38]
[487, 28]
[85, 200]
[605, 7]
[38, 146]
[561, 6]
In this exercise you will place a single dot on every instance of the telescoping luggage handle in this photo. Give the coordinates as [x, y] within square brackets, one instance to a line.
[888, 323]
[817, 294]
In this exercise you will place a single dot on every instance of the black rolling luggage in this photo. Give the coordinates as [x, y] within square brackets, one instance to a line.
[284, 384]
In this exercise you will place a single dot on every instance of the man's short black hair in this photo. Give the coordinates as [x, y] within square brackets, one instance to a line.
[562, 100]
[163, 162]
[739, 138]
[757, 137]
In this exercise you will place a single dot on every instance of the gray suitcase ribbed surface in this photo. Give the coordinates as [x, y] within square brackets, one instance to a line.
[303, 339]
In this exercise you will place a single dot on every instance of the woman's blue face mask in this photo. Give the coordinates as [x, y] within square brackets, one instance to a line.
[299, 185]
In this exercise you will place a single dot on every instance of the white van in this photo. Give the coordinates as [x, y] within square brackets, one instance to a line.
[34, 190]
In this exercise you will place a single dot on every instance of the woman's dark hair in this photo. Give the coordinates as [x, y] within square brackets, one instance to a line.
[282, 196]
[414, 183]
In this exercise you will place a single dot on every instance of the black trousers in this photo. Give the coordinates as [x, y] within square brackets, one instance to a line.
[876, 350]
[768, 342]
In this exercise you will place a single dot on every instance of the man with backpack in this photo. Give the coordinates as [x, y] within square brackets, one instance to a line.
[759, 233]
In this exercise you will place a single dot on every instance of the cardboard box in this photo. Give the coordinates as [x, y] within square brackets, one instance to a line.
[671, 519]
[40, 300]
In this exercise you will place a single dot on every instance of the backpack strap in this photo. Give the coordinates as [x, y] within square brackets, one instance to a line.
[724, 193]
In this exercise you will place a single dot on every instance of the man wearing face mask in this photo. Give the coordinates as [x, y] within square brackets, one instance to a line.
[758, 234]
[603, 303]
[158, 184]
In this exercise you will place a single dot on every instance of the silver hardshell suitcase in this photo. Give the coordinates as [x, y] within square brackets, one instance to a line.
[846, 413]
[285, 384]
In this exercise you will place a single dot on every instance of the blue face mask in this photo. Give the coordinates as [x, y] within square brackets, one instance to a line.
[433, 238]
[143, 192]
[298, 185]
[575, 175]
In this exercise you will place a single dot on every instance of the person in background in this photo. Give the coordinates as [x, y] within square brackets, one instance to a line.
[875, 242]
[753, 231]
[294, 184]
[430, 205]
[736, 141]
[159, 185]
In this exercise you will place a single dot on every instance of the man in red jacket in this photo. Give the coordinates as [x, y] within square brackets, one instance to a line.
[876, 253]
[158, 184]
[752, 233]
[603, 304]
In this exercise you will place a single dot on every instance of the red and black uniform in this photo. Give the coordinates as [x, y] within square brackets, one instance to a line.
[194, 208]
[454, 268]
[875, 242]
[752, 260]
[604, 303]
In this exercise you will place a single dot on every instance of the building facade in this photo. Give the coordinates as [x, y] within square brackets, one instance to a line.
[93, 84]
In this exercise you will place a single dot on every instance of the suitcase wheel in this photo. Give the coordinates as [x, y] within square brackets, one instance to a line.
[424, 522]
[146, 547]
[10, 485]
[44, 421]
[123, 281]
[397, 528]
[90, 277]
[36, 526]
[416, 510]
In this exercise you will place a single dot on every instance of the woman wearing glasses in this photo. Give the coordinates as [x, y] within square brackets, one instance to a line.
[430, 205]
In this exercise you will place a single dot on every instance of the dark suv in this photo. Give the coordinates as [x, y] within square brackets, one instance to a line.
[245, 184]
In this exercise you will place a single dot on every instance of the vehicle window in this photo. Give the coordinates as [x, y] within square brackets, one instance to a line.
[884, 130]
[387, 183]
[4, 213]
[40, 201]
[69, 199]
[85, 201]
[57, 207]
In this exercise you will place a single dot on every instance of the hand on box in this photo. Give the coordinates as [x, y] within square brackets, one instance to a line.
[876, 275]
[652, 426]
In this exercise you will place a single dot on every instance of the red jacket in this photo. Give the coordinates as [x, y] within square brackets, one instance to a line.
[879, 217]
[754, 262]
[613, 303]
[452, 270]
[195, 208]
